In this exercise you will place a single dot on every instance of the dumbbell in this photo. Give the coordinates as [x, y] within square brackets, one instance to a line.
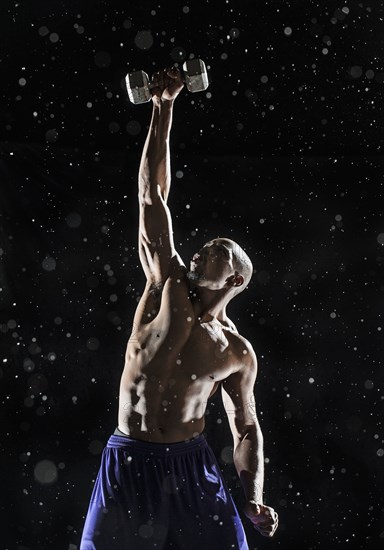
[194, 75]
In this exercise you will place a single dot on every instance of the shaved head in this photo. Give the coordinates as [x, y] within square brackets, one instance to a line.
[241, 261]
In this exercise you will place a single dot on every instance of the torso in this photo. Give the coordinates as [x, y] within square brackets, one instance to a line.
[174, 362]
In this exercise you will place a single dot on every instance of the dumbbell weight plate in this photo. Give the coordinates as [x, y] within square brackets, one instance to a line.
[138, 87]
[195, 75]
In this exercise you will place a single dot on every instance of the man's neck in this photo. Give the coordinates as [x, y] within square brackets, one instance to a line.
[209, 304]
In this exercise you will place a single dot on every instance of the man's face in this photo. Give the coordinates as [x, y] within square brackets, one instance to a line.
[212, 265]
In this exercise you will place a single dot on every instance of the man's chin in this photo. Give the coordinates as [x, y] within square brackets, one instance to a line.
[194, 277]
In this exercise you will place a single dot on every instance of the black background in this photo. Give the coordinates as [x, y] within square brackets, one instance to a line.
[283, 153]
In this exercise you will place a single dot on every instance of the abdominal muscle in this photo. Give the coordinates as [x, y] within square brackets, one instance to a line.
[165, 387]
[164, 410]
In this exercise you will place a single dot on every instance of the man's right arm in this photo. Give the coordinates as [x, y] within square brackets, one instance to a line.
[156, 246]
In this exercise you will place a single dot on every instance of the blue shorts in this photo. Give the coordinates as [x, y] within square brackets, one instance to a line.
[161, 496]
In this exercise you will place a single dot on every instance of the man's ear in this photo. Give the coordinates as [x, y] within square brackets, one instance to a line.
[236, 279]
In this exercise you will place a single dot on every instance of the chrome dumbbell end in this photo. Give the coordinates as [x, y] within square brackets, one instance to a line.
[138, 87]
[195, 75]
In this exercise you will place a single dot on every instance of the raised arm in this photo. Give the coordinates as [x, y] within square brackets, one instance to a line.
[248, 455]
[156, 246]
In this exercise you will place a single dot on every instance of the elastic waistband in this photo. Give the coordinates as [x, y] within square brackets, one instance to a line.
[160, 449]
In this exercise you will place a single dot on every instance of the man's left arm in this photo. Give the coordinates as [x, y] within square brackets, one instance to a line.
[248, 454]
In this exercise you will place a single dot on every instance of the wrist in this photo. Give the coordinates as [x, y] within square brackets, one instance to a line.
[161, 103]
[255, 501]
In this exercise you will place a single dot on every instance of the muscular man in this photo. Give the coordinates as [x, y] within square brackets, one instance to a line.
[159, 484]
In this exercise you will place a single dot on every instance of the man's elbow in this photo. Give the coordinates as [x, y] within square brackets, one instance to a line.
[249, 431]
[254, 431]
[151, 195]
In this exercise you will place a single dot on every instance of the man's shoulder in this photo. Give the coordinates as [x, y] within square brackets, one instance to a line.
[243, 365]
[243, 348]
[241, 340]
[177, 265]
[177, 271]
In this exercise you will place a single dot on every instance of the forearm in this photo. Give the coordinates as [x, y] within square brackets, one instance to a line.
[249, 462]
[155, 159]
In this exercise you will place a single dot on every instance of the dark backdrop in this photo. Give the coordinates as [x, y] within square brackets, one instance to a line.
[283, 153]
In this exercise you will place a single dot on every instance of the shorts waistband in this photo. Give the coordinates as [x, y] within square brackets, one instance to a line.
[181, 447]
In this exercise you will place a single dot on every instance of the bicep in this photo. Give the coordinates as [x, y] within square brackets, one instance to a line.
[238, 398]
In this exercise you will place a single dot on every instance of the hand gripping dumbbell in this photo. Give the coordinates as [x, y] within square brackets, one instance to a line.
[194, 75]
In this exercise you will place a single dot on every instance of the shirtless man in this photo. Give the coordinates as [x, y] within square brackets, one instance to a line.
[159, 484]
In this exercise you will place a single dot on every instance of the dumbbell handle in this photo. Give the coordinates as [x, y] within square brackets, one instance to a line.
[194, 75]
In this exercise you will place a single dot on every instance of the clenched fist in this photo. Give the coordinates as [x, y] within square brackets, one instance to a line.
[166, 84]
[264, 518]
